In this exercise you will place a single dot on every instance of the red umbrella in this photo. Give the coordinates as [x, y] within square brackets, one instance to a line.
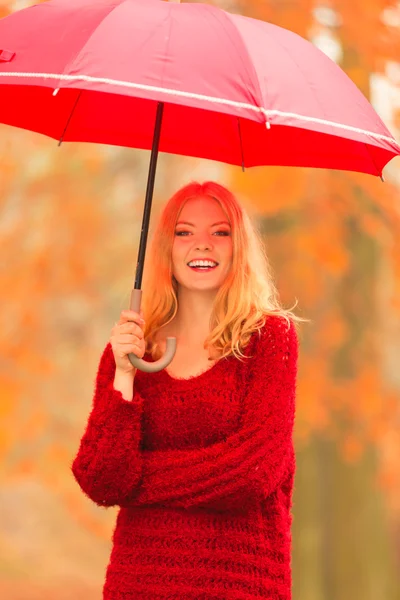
[188, 79]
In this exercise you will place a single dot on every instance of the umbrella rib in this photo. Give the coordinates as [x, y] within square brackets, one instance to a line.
[104, 17]
[69, 118]
[247, 66]
[378, 172]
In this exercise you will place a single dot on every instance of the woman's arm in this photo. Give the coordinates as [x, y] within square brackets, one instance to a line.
[108, 465]
[252, 462]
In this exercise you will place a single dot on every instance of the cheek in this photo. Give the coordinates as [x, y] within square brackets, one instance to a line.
[178, 253]
[229, 249]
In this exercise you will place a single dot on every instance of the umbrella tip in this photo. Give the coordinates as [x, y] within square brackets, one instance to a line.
[382, 178]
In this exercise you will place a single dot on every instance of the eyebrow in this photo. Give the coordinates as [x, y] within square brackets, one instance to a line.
[192, 225]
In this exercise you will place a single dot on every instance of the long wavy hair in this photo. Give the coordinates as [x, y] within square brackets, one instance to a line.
[245, 299]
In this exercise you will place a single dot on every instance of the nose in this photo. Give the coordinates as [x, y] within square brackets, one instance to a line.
[204, 245]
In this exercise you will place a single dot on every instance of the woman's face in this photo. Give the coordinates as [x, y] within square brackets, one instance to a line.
[208, 236]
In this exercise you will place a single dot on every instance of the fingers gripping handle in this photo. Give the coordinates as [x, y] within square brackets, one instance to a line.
[161, 363]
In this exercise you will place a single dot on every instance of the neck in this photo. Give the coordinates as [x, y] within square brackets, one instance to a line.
[192, 321]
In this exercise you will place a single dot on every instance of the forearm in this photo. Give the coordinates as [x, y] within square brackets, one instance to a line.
[124, 382]
[233, 474]
[108, 464]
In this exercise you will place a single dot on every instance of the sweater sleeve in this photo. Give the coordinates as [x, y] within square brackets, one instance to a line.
[108, 463]
[251, 463]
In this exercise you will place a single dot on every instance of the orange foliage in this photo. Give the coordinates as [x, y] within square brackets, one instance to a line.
[89, 522]
[351, 448]
[365, 27]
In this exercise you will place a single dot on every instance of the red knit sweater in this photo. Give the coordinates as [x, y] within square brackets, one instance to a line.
[202, 470]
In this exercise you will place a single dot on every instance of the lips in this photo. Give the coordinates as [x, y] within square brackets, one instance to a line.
[205, 259]
[205, 269]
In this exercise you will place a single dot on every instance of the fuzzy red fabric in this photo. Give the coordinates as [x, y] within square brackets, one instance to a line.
[202, 470]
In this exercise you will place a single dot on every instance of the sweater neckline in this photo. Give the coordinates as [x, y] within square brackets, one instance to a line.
[186, 382]
[163, 374]
[192, 377]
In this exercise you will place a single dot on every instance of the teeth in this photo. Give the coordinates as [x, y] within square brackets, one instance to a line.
[202, 263]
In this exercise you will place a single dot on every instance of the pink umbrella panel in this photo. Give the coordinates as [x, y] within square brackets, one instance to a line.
[235, 89]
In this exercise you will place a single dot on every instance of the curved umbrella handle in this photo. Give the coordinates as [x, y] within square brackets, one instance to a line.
[161, 363]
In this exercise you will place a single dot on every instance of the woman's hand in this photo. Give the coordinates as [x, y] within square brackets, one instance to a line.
[127, 336]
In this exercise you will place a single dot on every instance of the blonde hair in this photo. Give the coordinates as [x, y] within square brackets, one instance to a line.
[245, 299]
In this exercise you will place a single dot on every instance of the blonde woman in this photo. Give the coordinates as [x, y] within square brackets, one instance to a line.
[199, 457]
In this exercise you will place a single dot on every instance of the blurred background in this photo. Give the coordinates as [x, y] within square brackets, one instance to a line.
[69, 234]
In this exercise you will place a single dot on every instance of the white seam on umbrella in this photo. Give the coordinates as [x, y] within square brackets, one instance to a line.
[212, 99]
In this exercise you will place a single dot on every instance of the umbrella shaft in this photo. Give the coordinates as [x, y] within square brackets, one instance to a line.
[149, 196]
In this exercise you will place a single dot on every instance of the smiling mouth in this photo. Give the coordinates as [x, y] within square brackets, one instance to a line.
[203, 269]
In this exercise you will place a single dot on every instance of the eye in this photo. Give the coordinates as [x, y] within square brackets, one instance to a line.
[221, 231]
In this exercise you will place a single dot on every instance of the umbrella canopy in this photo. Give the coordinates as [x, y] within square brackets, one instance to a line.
[188, 79]
[234, 89]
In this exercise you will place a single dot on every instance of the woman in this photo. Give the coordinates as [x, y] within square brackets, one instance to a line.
[199, 456]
